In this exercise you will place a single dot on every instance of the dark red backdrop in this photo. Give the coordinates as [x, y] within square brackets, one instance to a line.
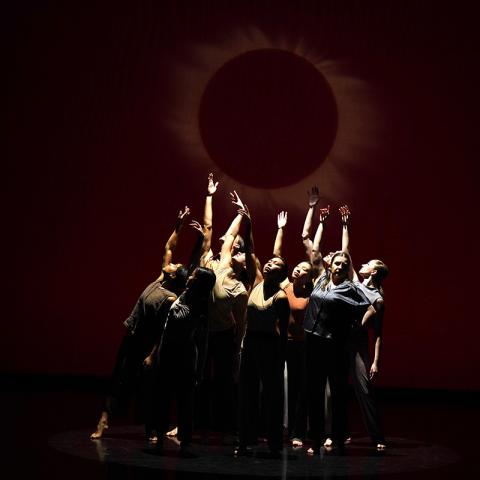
[92, 180]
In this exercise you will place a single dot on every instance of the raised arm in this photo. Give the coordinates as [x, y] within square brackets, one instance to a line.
[228, 241]
[208, 220]
[345, 216]
[316, 257]
[172, 241]
[281, 222]
[254, 273]
[313, 197]
[197, 251]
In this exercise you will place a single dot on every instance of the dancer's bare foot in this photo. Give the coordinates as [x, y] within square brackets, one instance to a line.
[101, 426]
[348, 441]
[152, 437]
[172, 433]
[381, 447]
[328, 442]
[297, 442]
[315, 450]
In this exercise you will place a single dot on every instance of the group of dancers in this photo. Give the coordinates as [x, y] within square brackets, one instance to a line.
[208, 341]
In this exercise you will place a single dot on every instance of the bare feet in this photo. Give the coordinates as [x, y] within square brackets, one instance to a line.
[102, 425]
[381, 447]
[172, 433]
[297, 442]
[328, 442]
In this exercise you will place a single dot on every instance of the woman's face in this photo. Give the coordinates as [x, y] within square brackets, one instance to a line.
[302, 271]
[367, 269]
[339, 267]
[273, 266]
[239, 259]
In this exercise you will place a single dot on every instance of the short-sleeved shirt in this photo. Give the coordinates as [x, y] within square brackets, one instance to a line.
[261, 312]
[225, 294]
[372, 293]
[181, 323]
[298, 306]
[147, 320]
[149, 314]
[333, 312]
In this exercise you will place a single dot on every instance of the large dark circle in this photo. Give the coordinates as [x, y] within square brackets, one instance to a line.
[268, 118]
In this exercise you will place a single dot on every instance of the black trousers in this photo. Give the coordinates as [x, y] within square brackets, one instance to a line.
[297, 389]
[359, 367]
[174, 384]
[216, 393]
[127, 376]
[326, 359]
[262, 363]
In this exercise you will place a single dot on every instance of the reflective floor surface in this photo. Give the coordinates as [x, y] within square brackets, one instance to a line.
[46, 435]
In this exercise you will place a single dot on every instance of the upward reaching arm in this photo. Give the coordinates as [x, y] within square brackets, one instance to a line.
[313, 197]
[281, 222]
[251, 262]
[208, 220]
[228, 240]
[316, 257]
[172, 241]
[197, 250]
[345, 215]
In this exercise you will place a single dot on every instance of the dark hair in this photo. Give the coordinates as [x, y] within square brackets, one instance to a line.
[379, 277]
[200, 290]
[283, 272]
[177, 283]
[206, 278]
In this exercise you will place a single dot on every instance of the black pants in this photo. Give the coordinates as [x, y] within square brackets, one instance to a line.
[359, 368]
[215, 394]
[262, 362]
[175, 382]
[297, 389]
[127, 375]
[326, 359]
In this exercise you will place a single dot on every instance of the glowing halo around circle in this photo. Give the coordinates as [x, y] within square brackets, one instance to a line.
[360, 119]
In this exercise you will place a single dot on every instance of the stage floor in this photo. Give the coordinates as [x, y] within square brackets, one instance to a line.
[45, 434]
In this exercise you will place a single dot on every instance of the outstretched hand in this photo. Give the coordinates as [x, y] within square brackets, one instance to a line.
[212, 186]
[324, 213]
[236, 200]
[183, 213]
[245, 212]
[196, 226]
[345, 214]
[282, 219]
[313, 196]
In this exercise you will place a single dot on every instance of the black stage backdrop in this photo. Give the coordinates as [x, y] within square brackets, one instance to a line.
[114, 113]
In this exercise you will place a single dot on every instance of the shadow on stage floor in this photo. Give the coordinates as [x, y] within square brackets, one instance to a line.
[46, 426]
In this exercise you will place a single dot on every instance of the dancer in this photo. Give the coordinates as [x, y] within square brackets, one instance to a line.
[263, 353]
[226, 322]
[362, 371]
[298, 292]
[144, 328]
[181, 357]
[336, 308]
